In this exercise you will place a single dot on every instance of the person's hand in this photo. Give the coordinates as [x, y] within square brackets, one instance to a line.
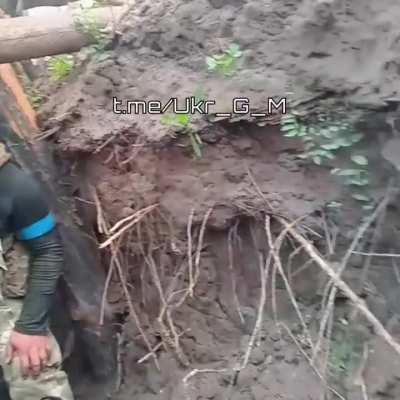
[33, 352]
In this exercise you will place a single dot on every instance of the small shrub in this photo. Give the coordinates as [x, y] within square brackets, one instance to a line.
[181, 123]
[35, 97]
[225, 63]
[87, 24]
[326, 138]
[346, 352]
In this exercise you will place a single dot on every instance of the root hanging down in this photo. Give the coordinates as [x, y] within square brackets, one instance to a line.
[117, 264]
[340, 284]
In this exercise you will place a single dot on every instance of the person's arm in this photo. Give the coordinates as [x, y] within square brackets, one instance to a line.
[46, 261]
[35, 227]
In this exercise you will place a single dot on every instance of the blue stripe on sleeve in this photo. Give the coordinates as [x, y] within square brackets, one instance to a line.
[39, 228]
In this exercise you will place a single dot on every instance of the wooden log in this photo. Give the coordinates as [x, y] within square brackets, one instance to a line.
[23, 38]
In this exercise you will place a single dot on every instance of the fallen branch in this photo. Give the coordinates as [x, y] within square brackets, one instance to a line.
[278, 266]
[390, 255]
[332, 295]
[137, 216]
[348, 292]
[23, 38]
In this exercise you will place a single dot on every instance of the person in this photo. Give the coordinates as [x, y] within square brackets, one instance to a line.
[31, 263]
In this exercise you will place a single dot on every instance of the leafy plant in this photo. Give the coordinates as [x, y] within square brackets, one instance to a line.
[35, 97]
[61, 66]
[324, 139]
[181, 123]
[177, 121]
[225, 63]
[87, 24]
[346, 355]
[342, 360]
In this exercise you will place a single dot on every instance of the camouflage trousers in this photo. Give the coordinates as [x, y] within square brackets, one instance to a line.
[51, 383]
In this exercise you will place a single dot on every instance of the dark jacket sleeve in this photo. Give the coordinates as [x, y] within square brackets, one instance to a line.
[46, 261]
[30, 219]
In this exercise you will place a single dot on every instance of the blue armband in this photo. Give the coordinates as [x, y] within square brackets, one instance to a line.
[37, 229]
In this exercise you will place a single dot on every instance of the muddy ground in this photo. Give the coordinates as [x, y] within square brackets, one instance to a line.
[337, 50]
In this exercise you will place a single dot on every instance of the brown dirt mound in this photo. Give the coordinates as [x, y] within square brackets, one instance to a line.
[290, 48]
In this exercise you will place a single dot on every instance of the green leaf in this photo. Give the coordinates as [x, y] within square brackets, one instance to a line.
[302, 131]
[211, 63]
[291, 134]
[358, 182]
[345, 143]
[183, 119]
[234, 50]
[331, 146]
[317, 160]
[87, 3]
[360, 160]
[329, 155]
[327, 133]
[218, 57]
[368, 207]
[360, 197]
[234, 47]
[288, 118]
[348, 172]
[288, 127]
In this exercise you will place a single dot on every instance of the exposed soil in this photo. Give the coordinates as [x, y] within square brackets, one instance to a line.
[294, 49]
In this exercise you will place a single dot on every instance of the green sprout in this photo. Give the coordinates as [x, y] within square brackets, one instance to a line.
[225, 63]
[323, 141]
[182, 123]
[87, 24]
[35, 97]
[61, 66]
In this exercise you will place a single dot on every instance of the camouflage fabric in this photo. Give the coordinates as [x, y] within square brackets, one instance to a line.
[16, 260]
[52, 382]
[4, 155]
